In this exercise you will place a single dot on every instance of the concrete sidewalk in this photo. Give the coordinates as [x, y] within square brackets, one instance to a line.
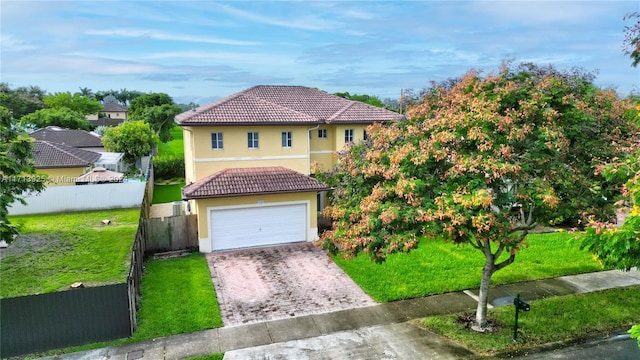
[356, 325]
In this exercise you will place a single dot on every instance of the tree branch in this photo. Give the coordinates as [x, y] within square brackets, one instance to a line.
[503, 264]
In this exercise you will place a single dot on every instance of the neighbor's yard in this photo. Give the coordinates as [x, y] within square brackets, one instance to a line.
[175, 147]
[438, 267]
[55, 250]
[166, 193]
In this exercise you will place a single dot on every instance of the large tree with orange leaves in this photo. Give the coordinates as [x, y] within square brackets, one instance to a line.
[480, 161]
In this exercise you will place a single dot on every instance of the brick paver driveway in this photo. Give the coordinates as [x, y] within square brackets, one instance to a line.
[278, 282]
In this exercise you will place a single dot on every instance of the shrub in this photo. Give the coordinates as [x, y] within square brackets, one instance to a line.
[168, 167]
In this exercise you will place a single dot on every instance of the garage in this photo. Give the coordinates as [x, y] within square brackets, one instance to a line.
[247, 207]
[233, 228]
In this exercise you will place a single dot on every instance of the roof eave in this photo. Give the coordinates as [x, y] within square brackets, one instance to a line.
[253, 193]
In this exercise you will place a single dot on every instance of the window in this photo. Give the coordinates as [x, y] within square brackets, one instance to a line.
[322, 133]
[216, 140]
[365, 136]
[252, 140]
[287, 139]
[348, 135]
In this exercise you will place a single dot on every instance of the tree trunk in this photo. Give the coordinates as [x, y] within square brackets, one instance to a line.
[483, 295]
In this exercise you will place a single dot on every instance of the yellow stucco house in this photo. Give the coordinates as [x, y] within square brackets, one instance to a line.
[62, 164]
[248, 161]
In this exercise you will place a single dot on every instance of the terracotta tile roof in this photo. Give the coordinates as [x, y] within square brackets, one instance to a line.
[51, 155]
[279, 104]
[113, 107]
[251, 181]
[75, 138]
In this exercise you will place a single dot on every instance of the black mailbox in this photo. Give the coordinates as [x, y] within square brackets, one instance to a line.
[521, 304]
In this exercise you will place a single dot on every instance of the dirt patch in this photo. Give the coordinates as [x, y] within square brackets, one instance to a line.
[23, 244]
[467, 321]
[269, 283]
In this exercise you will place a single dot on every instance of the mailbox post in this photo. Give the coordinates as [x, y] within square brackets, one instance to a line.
[520, 305]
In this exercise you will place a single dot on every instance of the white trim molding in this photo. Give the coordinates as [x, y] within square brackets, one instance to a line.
[250, 158]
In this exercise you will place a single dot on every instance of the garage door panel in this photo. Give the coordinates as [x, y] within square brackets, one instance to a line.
[258, 226]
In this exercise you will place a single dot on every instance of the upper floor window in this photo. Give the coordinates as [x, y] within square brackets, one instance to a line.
[252, 140]
[287, 139]
[216, 140]
[348, 135]
[322, 133]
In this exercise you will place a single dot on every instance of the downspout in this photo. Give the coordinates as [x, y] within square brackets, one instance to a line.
[309, 147]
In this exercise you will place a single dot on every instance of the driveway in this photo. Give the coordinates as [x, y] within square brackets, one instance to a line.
[269, 283]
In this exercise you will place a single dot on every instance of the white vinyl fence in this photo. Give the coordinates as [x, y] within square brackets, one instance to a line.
[82, 198]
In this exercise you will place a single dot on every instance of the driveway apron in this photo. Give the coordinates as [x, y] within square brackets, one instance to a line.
[269, 283]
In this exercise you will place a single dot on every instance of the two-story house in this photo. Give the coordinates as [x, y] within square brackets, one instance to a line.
[111, 114]
[248, 161]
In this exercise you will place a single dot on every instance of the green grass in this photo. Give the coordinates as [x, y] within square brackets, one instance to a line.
[56, 250]
[177, 297]
[208, 357]
[439, 267]
[175, 147]
[550, 320]
[166, 193]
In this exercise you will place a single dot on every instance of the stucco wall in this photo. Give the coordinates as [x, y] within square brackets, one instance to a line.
[62, 176]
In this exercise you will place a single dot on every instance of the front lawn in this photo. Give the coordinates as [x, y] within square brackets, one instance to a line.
[439, 267]
[54, 251]
[177, 297]
[550, 320]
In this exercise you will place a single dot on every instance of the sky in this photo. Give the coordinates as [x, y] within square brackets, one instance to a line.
[203, 50]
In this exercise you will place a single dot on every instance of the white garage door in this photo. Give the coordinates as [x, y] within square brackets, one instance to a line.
[257, 226]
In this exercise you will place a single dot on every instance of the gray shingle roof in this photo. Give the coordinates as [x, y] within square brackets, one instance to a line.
[75, 138]
[251, 181]
[114, 107]
[51, 155]
[280, 104]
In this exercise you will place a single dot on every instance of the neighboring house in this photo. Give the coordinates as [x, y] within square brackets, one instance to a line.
[85, 140]
[112, 114]
[248, 161]
[71, 137]
[61, 163]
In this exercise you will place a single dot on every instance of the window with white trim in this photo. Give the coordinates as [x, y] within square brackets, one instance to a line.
[322, 133]
[216, 141]
[287, 139]
[252, 140]
[348, 136]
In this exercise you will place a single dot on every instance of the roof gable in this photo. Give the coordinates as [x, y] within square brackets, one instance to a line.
[251, 181]
[279, 104]
[51, 155]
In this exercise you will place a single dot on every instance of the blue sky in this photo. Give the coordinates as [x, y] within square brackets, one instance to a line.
[202, 50]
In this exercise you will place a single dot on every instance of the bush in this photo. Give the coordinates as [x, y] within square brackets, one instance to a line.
[168, 167]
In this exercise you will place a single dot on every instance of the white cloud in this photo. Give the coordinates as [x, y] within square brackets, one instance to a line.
[157, 35]
[12, 43]
[228, 57]
[305, 22]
